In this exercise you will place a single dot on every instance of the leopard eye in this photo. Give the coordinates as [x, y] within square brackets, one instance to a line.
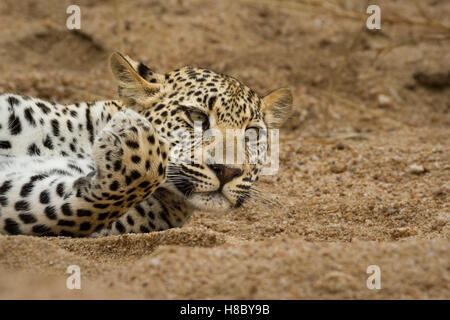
[196, 116]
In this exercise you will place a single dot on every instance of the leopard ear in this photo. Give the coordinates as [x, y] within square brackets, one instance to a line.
[134, 88]
[277, 107]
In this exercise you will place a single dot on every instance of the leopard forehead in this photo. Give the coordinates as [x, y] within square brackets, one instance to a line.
[233, 104]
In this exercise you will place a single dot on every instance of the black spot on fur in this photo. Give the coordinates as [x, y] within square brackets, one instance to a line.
[60, 189]
[26, 189]
[69, 126]
[89, 125]
[4, 144]
[144, 184]
[114, 214]
[28, 113]
[22, 206]
[11, 226]
[99, 227]
[132, 144]
[33, 150]
[136, 159]
[102, 216]
[3, 201]
[140, 210]
[130, 220]
[160, 170]
[27, 218]
[135, 175]
[120, 227]
[38, 177]
[40, 228]
[50, 212]
[66, 210]
[55, 127]
[66, 223]
[117, 165]
[84, 213]
[43, 107]
[14, 125]
[101, 205]
[85, 226]
[13, 101]
[211, 102]
[44, 197]
[114, 186]
[76, 168]
[5, 187]
[48, 143]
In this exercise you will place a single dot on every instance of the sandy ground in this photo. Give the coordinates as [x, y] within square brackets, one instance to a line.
[364, 165]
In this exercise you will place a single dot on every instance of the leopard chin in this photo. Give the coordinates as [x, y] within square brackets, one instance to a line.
[209, 201]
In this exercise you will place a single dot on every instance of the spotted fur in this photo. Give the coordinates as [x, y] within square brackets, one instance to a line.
[109, 167]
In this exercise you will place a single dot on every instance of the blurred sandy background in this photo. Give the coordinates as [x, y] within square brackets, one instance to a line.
[364, 165]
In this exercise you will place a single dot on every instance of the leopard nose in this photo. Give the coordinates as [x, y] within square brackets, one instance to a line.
[225, 174]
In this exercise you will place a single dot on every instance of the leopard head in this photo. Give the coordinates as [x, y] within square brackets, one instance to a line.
[216, 126]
